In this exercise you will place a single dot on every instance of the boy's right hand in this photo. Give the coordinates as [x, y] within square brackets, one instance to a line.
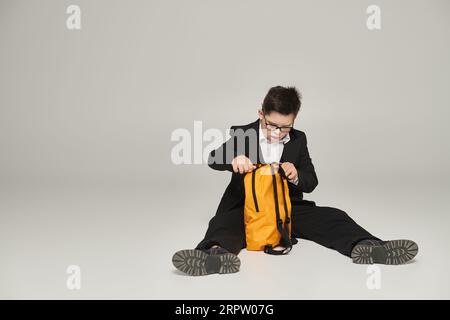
[242, 164]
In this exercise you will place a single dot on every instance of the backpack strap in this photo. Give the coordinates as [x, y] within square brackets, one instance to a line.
[284, 232]
[255, 199]
[293, 240]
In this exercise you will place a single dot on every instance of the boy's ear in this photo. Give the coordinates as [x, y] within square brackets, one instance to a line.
[260, 114]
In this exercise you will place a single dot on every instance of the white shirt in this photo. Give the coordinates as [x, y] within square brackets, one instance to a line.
[272, 151]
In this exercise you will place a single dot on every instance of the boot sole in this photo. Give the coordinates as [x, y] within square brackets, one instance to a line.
[393, 252]
[198, 263]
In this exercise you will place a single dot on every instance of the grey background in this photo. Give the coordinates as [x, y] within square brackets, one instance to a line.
[86, 116]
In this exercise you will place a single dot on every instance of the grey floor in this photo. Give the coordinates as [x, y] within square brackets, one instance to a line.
[87, 176]
[122, 236]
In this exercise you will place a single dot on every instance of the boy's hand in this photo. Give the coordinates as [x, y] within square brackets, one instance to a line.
[242, 164]
[289, 170]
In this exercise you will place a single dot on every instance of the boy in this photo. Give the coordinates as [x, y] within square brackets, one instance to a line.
[269, 139]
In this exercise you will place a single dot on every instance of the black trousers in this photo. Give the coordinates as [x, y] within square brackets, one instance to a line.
[327, 226]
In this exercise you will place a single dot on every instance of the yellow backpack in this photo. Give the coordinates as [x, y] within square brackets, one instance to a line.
[267, 207]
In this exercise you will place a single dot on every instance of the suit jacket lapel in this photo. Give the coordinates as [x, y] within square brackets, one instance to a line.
[290, 151]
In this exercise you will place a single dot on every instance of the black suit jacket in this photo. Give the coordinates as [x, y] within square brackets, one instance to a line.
[295, 151]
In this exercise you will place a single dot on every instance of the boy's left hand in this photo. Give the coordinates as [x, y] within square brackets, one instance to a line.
[289, 170]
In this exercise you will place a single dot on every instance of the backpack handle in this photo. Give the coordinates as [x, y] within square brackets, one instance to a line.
[280, 169]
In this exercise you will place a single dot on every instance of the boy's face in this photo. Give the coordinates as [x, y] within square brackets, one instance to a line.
[270, 122]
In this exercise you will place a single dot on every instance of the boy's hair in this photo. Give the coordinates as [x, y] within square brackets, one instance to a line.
[285, 100]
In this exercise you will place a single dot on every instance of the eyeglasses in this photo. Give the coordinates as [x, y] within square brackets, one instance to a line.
[273, 127]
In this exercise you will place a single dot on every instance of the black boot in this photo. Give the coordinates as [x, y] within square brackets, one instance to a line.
[390, 252]
[196, 262]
